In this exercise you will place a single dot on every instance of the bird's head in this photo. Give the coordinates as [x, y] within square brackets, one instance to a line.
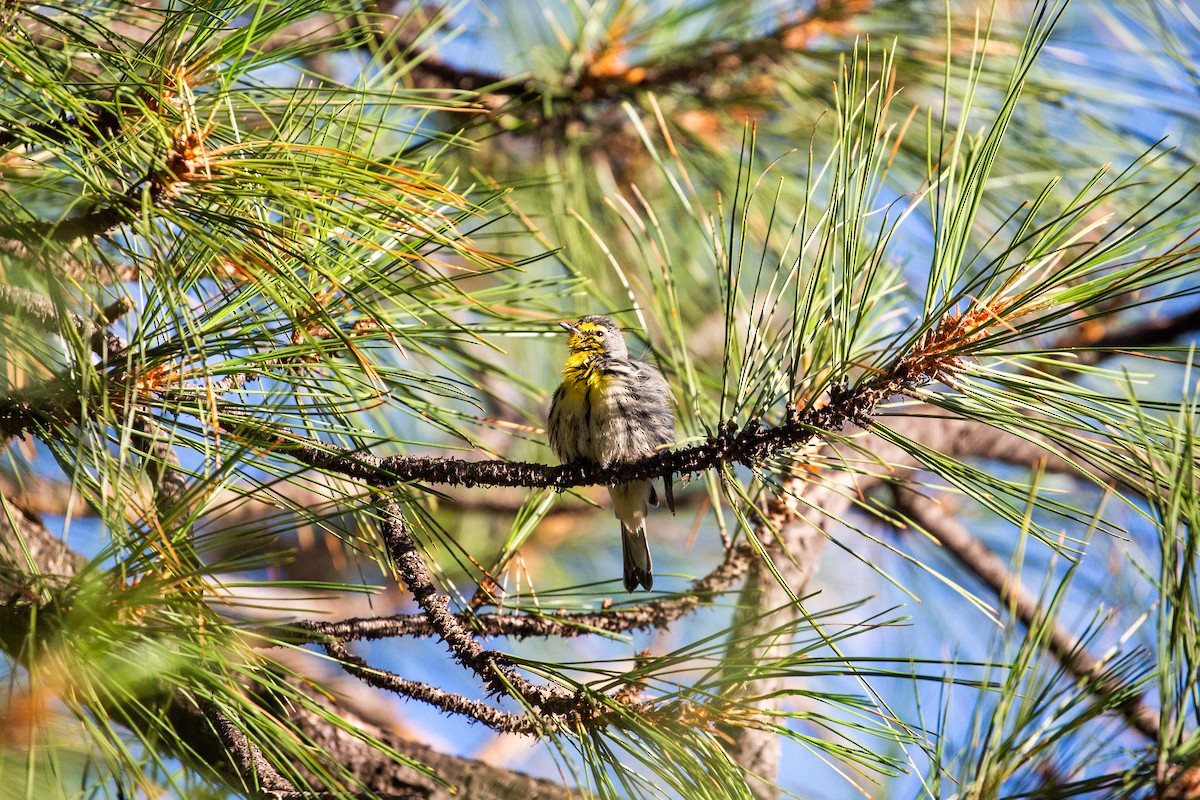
[595, 336]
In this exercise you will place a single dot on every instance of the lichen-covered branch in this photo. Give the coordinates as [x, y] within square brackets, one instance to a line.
[554, 704]
[655, 614]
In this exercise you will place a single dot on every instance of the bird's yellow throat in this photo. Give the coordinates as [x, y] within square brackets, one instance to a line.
[580, 375]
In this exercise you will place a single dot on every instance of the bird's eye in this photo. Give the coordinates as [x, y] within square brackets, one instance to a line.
[601, 333]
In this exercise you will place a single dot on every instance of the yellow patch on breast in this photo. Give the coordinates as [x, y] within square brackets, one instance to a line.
[580, 376]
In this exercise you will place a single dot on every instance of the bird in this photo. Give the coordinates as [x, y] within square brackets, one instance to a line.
[612, 409]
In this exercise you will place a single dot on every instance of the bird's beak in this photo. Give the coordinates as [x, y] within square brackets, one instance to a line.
[568, 327]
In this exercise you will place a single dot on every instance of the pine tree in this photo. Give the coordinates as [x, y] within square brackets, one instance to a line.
[278, 323]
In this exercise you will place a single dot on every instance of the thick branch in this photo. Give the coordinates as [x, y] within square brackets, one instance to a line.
[30, 555]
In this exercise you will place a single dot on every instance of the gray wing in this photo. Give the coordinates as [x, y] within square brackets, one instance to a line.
[660, 420]
[660, 415]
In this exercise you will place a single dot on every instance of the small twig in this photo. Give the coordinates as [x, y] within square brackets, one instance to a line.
[654, 615]
[495, 669]
[502, 721]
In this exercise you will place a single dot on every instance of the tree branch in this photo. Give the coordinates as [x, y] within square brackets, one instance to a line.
[720, 57]
[34, 561]
[655, 615]
[101, 122]
[501, 721]
[495, 669]
[31, 555]
[42, 312]
[381, 773]
[605, 76]
[984, 564]
[803, 518]
[752, 445]
[184, 162]
[246, 756]
[1093, 343]
[1150, 333]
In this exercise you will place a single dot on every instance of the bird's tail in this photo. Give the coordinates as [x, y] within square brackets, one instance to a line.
[638, 565]
[630, 504]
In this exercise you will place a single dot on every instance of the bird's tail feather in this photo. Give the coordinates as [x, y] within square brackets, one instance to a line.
[639, 569]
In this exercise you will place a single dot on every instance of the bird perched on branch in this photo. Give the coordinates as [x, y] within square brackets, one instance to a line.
[611, 409]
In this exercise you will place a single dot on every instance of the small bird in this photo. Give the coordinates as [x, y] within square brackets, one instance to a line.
[611, 409]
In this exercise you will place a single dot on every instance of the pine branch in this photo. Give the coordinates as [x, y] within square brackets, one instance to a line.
[495, 669]
[752, 445]
[501, 721]
[654, 615]
[793, 536]
[697, 67]
[100, 123]
[42, 313]
[162, 461]
[396, 34]
[160, 186]
[973, 438]
[985, 565]
[1151, 333]
[246, 755]
[523, 96]
[33, 560]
